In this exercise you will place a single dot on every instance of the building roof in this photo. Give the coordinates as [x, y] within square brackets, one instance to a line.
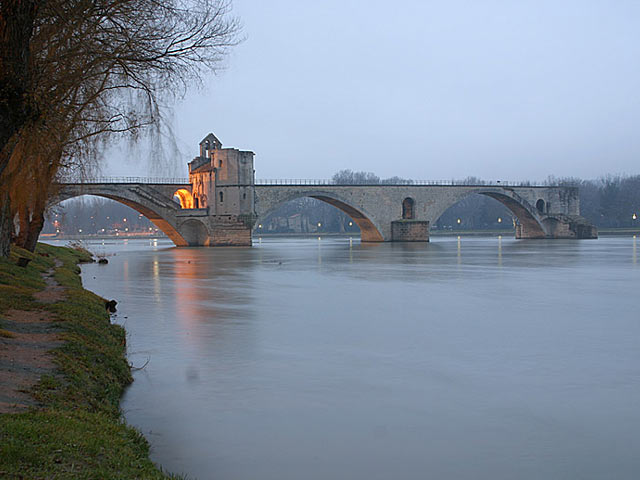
[212, 140]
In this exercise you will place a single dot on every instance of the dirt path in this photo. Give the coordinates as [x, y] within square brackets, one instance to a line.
[26, 356]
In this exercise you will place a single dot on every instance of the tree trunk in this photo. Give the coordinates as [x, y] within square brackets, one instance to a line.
[5, 224]
[34, 229]
[31, 222]
[23, 223]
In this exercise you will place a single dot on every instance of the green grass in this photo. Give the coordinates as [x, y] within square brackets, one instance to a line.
[78, 433]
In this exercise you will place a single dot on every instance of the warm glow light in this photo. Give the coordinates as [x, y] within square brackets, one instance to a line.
[459, 221]
[185, 197]
[499, 219]
[124, 219]
[634, 216]
[80, 230]
[351, 224]
[319, 224]
[260, 226]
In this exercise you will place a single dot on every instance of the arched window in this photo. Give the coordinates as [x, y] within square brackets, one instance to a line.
[221, 197]
[540, 206]
[408, 208]
[184, 198]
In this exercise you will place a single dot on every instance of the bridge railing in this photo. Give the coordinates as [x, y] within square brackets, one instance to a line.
[308, 181]
[156, 180]
[303, 181]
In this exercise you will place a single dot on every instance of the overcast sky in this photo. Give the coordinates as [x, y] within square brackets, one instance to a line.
[425, 90]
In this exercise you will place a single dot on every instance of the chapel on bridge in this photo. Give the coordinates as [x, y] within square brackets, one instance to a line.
[222, 179]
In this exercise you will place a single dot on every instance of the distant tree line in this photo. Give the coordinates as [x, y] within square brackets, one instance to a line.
[95, 215]
[609, 202]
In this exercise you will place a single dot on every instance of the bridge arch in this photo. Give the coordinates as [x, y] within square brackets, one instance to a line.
[370, 231]
[195, 233]
[161, 216]
[527, 215]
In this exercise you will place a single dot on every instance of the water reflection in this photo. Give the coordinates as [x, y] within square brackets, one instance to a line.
[156, 280]
[350, 250]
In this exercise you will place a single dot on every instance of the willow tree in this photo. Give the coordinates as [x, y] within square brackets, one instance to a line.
[98, 69]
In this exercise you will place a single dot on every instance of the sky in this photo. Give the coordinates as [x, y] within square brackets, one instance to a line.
[429, 90]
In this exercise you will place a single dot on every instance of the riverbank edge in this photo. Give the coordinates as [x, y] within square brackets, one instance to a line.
[77, 429]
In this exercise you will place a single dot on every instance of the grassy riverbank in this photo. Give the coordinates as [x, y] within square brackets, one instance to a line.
[75, 430]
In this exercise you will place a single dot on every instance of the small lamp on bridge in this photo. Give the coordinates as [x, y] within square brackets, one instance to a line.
[459, 221]
[634, 216]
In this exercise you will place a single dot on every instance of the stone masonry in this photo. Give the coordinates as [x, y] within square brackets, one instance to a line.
[221, 203]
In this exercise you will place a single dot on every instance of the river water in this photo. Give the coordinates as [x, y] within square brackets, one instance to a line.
[471, 358]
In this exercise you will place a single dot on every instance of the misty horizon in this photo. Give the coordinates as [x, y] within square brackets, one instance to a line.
[423, 91]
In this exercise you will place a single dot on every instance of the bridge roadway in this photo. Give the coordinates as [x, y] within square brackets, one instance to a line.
[383, 212]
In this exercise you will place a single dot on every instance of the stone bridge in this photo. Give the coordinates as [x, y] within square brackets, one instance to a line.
[221, 202]
[153, 200]
[405, 212]
[383, 212]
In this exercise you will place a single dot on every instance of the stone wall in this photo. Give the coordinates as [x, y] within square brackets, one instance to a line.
[409, 231]
[229, 231]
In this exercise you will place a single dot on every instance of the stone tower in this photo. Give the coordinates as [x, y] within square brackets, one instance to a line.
[222, 182]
